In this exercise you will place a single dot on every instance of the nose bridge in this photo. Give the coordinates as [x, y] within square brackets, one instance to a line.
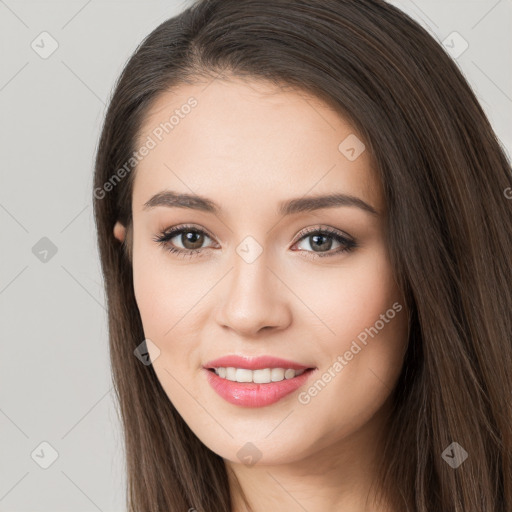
[250, 260]
[253, 298]
[250, 275]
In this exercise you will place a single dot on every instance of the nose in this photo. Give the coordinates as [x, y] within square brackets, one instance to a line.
[254, 298]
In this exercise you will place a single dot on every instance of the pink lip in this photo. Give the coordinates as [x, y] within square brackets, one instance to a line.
[249, 394]
[254, 363]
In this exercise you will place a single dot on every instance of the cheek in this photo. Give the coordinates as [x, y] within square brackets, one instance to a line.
[164, 293]
[360, 325]
[350, 298]
[171, 299]
[151, 290]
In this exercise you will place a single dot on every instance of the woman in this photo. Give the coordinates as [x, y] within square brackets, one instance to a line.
[305, 235]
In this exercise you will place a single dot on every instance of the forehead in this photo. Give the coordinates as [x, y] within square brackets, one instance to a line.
[247, 142]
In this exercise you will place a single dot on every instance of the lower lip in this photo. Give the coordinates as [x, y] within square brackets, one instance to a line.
[249, 394]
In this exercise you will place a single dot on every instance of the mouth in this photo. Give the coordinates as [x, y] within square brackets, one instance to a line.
[255, 388]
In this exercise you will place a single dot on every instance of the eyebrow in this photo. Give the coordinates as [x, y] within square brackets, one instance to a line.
[172, 199]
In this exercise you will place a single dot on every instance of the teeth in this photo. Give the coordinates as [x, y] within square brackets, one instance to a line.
[263, 376]
[277, 374]
[230, 373]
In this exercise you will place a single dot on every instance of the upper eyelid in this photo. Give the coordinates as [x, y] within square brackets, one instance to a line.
[324, 229]
[180, 228]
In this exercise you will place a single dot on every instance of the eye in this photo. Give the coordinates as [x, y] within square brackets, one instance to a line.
[322, 239]
[191, 239]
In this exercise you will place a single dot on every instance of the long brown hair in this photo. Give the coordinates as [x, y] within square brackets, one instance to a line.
[445, 178]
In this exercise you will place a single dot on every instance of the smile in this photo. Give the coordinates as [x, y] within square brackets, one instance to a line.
[249, 392]
[255, 381]
[262, 376]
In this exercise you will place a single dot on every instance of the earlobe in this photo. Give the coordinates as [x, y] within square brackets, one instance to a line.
[119, 231]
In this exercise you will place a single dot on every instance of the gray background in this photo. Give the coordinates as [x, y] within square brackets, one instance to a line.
[54, 369]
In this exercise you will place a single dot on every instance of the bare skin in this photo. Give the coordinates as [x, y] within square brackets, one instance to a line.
[247, 147]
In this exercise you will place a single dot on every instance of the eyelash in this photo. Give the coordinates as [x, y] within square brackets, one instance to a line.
[164, 238]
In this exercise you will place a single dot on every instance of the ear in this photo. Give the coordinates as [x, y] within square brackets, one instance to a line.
[119, 231]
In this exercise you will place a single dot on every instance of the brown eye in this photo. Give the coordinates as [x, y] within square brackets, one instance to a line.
[183, 240]
[192, 239]
[320, 241]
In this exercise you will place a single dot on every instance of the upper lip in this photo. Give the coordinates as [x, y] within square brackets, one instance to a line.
[254, 363]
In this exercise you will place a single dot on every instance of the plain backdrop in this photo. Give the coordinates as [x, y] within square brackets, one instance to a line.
[56, 397]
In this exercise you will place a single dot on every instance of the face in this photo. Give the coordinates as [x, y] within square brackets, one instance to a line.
[258, 269]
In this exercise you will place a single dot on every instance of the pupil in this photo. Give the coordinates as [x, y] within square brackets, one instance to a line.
[192, 240]
[322, 246]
